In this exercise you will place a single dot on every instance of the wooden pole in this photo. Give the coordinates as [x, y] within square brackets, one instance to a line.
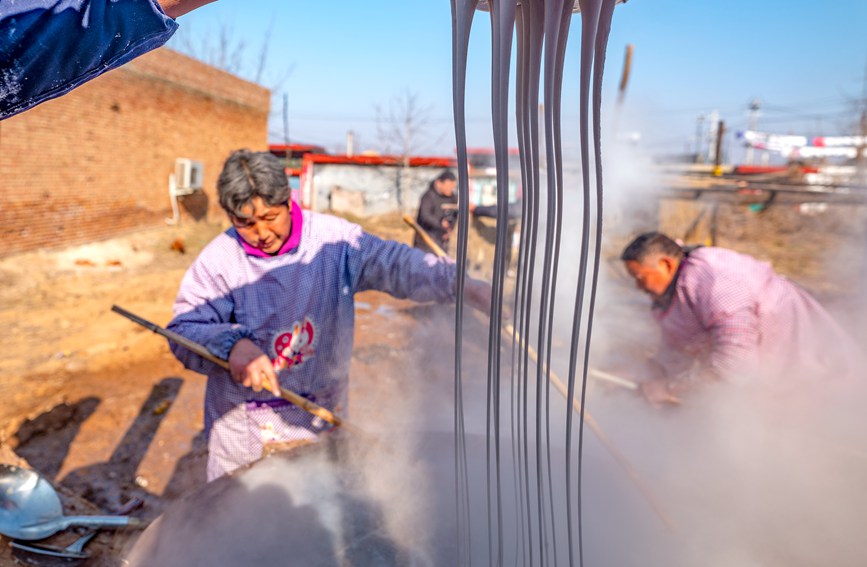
[624, 77]
[285, 393]
[425, 236]
[612, 379]
[510, 331]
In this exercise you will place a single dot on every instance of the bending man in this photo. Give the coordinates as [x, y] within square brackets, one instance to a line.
[733, 316]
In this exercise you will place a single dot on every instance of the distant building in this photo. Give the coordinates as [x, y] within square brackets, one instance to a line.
[96, 163]
[364, 185]
[293, 154]
[483, 176]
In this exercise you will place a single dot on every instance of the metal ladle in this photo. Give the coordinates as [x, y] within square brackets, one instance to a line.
[30, 508]
[73, 551]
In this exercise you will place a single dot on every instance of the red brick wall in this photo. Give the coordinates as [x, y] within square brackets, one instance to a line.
[95, 163]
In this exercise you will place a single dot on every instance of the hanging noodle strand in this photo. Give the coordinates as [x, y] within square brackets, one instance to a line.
[541, 28]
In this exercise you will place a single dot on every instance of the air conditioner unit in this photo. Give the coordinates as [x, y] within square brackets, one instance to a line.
[188, 174]
[186, 180]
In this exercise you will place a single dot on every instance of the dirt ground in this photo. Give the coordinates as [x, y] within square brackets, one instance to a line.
[102, 409]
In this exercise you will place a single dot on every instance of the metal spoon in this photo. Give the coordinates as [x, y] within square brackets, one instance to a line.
[75, 550]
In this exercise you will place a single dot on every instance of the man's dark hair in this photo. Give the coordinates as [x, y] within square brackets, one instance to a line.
[247, 175]
[446, 175]
[650, 244]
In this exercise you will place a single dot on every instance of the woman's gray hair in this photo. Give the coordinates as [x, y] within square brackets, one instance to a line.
[249, 174]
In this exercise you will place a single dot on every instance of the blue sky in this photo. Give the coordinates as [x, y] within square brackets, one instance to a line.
[805, 61]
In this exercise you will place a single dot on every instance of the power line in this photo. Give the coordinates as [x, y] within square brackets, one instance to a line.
[300, 117]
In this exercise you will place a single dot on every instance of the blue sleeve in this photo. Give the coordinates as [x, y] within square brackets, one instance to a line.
[204, 313]
[398, 270]
[49, 47]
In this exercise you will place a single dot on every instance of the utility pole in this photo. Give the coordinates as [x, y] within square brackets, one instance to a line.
[350, 143]
[755, 104]
[624, 78]
[287, 154]
[717, 160]
[699, 133]
[712, 136]
[861, 148]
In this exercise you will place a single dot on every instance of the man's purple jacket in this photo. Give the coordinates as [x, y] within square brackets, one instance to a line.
[740, 318]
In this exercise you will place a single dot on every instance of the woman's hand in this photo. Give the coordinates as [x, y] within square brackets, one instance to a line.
[175, 8]
[252, 368]
[660, 391]
[478, 295]
[655, 391]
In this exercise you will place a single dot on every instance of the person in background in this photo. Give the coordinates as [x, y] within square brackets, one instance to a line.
[50, 47]
[490, 211]
[437, 211]
[728, 315]
[274, 295]
[513, 219]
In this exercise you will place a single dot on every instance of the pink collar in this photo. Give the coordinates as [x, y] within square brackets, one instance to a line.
[296, 218]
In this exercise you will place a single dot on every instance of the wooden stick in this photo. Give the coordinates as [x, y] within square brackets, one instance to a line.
[611, 378]
[285, 393]
[508, 331]
[424, 236]
[628, 384]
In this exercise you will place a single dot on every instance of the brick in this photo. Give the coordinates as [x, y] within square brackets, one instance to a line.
[95, 163]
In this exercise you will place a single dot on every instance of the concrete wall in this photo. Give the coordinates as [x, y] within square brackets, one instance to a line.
[376, 184]
[95, 163]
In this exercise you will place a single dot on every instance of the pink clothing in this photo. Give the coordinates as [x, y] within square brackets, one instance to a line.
[739, 318]
[291, 243]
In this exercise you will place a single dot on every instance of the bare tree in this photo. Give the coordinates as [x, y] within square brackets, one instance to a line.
[224, 50]
[404, 128]
[219, 50]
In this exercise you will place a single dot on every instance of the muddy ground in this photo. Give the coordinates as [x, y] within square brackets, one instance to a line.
[100, 407]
